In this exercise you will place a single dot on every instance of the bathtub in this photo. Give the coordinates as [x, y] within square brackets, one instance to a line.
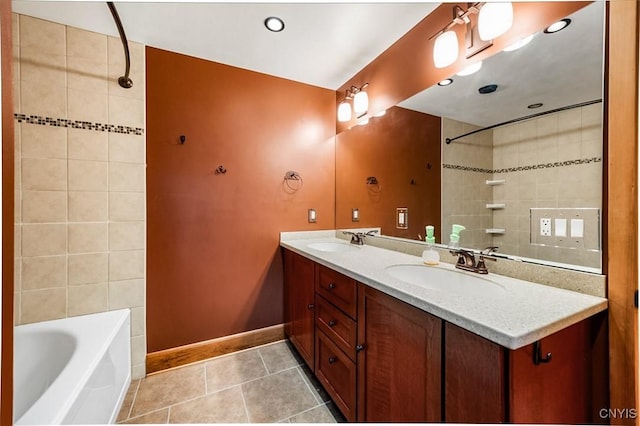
[72, 371]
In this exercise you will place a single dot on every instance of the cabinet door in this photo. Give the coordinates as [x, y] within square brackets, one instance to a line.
[565, 390]
[299, 297]
[474, 388]
[399, 374]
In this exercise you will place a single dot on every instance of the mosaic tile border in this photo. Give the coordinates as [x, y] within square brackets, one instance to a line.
[524, 168]
[77, 124]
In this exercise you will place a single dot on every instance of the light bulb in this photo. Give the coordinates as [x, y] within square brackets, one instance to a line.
[360, 102]
[344, 112]
[494, 20]
[445, 49]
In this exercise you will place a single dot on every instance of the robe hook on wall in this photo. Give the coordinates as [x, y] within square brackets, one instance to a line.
[221, 170]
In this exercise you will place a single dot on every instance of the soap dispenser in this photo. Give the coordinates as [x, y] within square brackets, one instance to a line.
[430, 256]
[454, 238]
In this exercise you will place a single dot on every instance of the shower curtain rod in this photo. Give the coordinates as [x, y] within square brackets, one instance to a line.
[528, 117]
[123, 81]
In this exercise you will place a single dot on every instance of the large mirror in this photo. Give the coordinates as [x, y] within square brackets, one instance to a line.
[532, 187]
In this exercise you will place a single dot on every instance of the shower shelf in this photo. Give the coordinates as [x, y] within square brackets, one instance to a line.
[498, 206]
[495, 230]
[495, 182]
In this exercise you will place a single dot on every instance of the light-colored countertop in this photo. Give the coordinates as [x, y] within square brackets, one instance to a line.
[520, 315]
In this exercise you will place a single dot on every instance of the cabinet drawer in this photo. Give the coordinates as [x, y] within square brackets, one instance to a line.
[338, 327]
[337, 373]
[337, 289]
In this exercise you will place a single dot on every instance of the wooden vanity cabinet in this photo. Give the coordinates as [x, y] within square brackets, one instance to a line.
[399, 366]
[299, 300]
[487, 383]
[383, 360]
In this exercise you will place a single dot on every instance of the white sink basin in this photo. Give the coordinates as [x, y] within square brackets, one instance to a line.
[448, 280]
[332, 247]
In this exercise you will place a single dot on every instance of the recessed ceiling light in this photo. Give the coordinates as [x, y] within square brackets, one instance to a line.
[274, 24]
[445, 82]
[558, 26]
[489, 88]
[470, 69]
[518, 44]
[536, 105]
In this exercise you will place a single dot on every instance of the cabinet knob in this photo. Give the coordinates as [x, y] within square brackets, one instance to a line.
[359, 348]
[331, 286]
[310, 306]
[332, 323]
[332, 359]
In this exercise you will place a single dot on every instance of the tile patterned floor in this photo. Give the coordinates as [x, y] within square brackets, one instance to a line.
[267, 384]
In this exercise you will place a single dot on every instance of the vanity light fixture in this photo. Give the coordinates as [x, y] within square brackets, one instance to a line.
[473, 68]
[274, 24]
[445, 82]
[557, 26]
[360, 103]
[518, 44]
[494, 19]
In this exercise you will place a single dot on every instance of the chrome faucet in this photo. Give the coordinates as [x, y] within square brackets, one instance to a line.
[467, 260]
[357, 238]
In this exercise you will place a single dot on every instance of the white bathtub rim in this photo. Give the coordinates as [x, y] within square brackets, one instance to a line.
[49, 401]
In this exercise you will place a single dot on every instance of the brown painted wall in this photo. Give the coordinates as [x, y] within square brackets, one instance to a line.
[214, 265]
[406, 67]
[6, 384]
[401, 140]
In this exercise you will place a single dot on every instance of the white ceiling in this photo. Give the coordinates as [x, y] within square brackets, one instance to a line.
[558, 70]
[322, 44]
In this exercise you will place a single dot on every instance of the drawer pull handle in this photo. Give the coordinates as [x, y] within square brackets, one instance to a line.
[359, 348]
[332, 359]
[332, 323]
[331, 286]
[310, 306]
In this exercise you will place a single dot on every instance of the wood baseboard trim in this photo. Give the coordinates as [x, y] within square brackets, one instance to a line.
[187, 354]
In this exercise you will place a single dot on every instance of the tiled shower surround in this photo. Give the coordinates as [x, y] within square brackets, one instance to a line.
[80, 177]
[554, 161]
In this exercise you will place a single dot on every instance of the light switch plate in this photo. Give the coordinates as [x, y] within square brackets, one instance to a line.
[560, 227]
[402, 218]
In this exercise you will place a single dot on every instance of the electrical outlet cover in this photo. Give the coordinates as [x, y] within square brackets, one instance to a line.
[545, 227]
